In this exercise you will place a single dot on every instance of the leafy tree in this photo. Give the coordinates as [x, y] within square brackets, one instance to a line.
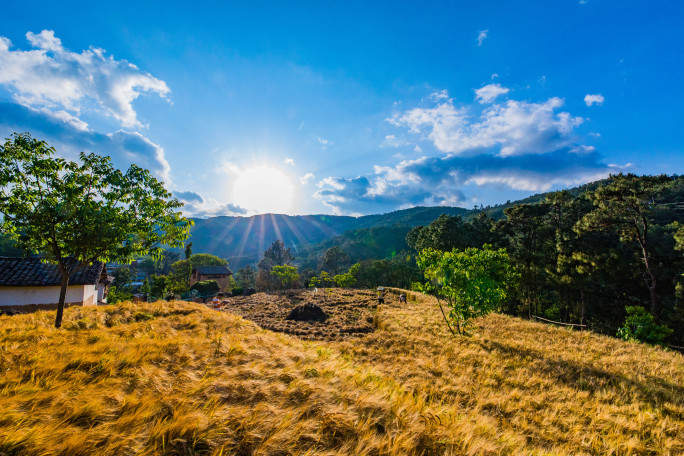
[246, 277]
[181, 271]
[122, 277]
[334, 259]
[206, 259]
[76, 214]
[287, 276]
[473, 282]
[348, 279]
[528, 236]
[159, 285]
[117, 295]
[444, 234]
[640, 325]
[188, 250]
[275, 255]
[626, 205]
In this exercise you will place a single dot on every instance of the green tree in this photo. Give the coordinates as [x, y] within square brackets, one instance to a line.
[159, 285]
[246, 277]
[275, 255]
[122, 277]
[626, 205]
[188, 250]
[181, 271]
[76, 214]
[472, 282]
[287, 276]
[206, 259]
[349, 278]
[334, 259]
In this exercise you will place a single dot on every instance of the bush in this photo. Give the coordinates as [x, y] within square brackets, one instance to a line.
[116, 295]
[640, 325]
[207, 287]
[237, 291]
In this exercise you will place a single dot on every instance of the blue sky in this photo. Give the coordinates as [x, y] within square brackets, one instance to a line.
[351, 107]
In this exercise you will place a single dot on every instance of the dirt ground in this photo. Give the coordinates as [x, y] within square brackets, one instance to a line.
[350, 312]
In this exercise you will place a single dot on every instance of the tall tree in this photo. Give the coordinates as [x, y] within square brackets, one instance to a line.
[78, 213]
[334, 259]
[626, 205]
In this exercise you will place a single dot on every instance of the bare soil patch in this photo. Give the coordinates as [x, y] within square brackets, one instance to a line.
[350, 312]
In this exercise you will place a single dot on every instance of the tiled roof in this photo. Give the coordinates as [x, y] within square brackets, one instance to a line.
[18, 272]
[213, 270]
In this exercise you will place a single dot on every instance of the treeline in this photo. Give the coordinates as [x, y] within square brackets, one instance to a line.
[588, 258]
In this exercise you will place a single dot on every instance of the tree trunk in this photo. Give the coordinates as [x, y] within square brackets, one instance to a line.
[62, 298]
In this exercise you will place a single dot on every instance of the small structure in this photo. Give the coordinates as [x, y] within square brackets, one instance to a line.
[219, 273]
[27, 284]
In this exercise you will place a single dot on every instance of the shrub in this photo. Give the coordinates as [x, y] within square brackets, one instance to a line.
[207, 287]
[640, 325]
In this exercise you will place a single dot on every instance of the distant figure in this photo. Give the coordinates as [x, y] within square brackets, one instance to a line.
[402, 298]
[216, 302]
[381, 296]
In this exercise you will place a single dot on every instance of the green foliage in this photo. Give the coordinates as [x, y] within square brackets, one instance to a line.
[246, 277]
[206, 259]
[275, 255]
[473, 282]
[640, 325]
[122, 277]
[287, 276]
[83, 212]
[159, 285]
[180, 276]
[348, 279]
[334, 259]
[117, 295]
[206, 287]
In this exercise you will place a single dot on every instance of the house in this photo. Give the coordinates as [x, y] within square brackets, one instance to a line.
[219, 273]
[27, 284]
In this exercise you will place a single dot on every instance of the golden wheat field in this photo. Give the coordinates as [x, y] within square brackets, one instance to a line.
[180, 379]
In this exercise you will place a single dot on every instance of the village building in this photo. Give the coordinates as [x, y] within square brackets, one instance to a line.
[219, 273]
[27, 284]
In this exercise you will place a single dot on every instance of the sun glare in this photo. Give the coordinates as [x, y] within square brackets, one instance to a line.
[263, 189]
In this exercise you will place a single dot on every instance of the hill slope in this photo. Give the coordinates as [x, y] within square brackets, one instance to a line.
[242, 240]
[177, 378]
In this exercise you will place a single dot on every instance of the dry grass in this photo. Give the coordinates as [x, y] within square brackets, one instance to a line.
[176, 378]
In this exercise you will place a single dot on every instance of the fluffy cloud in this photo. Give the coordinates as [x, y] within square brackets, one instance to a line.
[194, 205]
[437, 181]
[289, 161]
[481, 37]
[520, 145]
[510, 128]
[69, 137]
[53, 78]
[489, 92]
[594, 99]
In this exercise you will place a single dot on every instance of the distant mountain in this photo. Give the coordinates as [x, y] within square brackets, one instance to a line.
[242, 240]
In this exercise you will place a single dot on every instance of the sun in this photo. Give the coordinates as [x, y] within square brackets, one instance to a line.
[263, 189]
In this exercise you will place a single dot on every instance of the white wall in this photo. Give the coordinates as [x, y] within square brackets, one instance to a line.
[76, 294]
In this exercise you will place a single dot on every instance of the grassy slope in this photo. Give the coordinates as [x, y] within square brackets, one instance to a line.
[176, 378]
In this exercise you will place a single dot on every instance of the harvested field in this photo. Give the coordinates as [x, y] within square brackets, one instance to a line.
[350, 312]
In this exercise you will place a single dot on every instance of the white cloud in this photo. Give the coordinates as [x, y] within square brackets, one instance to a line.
[194, 205]
[511, 128]
[594, 99]
[53, 78]
[289, 161]
[489, 92]
[481, 37]
[324, 142]
[306, 178]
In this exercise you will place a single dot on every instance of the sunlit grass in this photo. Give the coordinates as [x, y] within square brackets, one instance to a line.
[178, 378]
